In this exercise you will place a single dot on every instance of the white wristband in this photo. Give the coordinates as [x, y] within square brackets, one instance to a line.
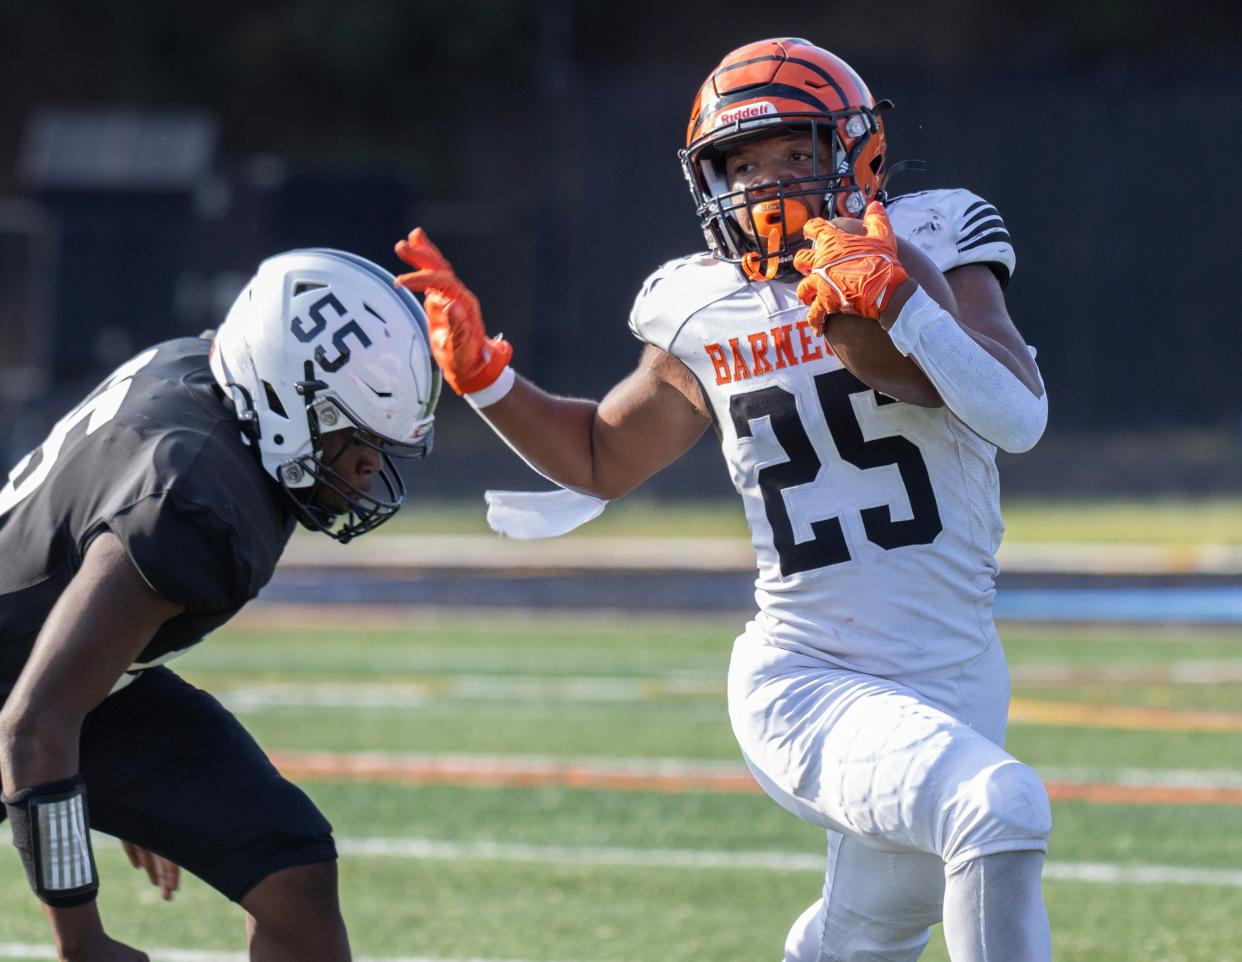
[494, 391]
[984, 394]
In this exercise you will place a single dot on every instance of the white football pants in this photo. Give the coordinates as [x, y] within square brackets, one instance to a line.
[906, 774]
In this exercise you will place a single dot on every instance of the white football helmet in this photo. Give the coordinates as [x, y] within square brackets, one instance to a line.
[321, 340]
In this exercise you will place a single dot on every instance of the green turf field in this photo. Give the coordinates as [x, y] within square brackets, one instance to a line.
[442, 868]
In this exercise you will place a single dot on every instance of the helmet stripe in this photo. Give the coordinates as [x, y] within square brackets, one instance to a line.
[782, 91]
[808, 64]
[745, 63]
[816, 68]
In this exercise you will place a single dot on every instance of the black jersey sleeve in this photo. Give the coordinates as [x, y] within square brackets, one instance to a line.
[184, 551]
[209, 535]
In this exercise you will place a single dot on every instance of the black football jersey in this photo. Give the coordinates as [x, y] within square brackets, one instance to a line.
[156, 456]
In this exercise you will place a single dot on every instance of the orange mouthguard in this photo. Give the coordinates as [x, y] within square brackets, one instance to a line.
[769, 217]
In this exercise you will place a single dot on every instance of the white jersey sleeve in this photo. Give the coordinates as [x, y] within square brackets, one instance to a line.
[954, 227]
[676, 292]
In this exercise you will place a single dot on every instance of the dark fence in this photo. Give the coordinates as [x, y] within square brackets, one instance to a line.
[543, 161]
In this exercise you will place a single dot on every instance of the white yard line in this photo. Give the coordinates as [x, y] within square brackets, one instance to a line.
[1217, 671]
[700, 769]
[414, 692]
[253, 696]
[425, 849]
[1112, 874]
[689, 710]
[1146, 777]
[436, 850]
[432, 850]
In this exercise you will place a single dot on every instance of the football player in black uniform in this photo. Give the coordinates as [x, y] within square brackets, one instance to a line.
[154, 510]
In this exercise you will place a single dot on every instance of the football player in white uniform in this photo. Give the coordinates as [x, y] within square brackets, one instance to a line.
[869, 694]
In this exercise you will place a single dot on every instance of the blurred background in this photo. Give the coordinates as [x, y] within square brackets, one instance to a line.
[151, 154]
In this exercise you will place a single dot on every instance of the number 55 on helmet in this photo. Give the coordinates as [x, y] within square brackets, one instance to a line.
[320, 341]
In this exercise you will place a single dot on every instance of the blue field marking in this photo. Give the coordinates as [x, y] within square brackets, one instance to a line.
[1215, 605]
[724, 592]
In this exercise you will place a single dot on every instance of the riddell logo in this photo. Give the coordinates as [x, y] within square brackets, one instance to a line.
[745, 112]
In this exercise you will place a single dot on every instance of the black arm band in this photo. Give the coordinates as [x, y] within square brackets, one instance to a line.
[51, 830]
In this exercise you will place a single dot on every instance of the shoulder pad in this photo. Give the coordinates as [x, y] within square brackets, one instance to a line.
[954, 227]
[676, 292]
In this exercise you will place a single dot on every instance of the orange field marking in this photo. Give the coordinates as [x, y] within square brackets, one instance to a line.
[1106, 794]
[381, 769]
[1078, 715]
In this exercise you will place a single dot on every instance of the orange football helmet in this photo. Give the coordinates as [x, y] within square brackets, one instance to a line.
[777, 87]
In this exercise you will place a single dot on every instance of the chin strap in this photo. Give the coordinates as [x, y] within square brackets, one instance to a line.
[751, 260]
[918, 166]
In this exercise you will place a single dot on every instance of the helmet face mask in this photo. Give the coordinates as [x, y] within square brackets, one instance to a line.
[776, 88]
[324, 498]
[321, 353]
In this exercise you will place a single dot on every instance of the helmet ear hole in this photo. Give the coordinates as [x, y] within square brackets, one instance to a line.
[273, 401]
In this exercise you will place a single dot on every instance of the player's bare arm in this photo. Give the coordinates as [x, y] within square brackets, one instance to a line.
[646, 422]
[101, 623]
[602, 448]
[105, 617]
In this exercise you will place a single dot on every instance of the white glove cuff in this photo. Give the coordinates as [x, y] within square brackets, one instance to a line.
[494, 391]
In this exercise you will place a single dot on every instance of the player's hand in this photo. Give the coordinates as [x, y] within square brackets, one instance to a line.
[110, 950]
[80, 937]
[163, 874]
[469, 359]
[849, 273]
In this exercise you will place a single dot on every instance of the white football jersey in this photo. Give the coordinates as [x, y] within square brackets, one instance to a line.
[875, 522]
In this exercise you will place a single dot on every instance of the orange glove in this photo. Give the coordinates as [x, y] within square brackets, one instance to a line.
[469, 359]
[849, 273]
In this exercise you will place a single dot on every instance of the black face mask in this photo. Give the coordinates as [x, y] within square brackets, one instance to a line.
[356, 511]
[831, 187]
[365, 511]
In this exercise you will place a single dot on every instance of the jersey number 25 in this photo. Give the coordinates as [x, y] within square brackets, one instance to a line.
[828, 547]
